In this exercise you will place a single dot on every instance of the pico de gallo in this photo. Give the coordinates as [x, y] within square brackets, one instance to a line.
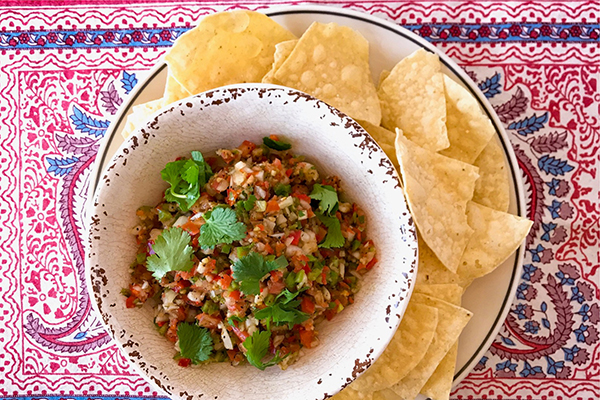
[246, 254]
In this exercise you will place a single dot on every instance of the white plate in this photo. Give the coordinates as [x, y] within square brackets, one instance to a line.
[490, 297]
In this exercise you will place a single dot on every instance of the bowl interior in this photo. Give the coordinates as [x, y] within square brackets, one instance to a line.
[223, 118]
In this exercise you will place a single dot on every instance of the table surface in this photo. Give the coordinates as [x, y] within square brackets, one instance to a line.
[67, 65]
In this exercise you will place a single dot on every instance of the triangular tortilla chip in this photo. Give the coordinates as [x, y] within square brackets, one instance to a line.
[350, 394]
[431, 271]
[384, 138]
[439, 385]
[452, 320]
[492, 189]
[174, 91]
[331, 62]
[437, 190]
[450, 292]
[282, 52]
[139, 114]
[496, 236]
[469, 128]
[412, 99]
[406, 349]
[225, 48]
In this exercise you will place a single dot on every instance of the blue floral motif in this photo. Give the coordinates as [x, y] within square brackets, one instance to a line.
[564, 279]
[87, 124]
[532, 327]
[543, 306]
[535, 256]
[580, 333]
[547, 229]
[529, 125]
[554, 208]
[546, 323]
[520, 311]
[521, 291]
[508, 341]
[528, 271]
[129, 81]
[584, 312]
[553, 185]
[571, 353]
[491, 86]
[80, 335]
[61, 166]
[529, 370]
[506, 365]
[554, 166]
[577, 295]
[553, 366]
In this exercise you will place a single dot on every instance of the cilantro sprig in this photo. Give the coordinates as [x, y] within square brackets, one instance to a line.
[334, 236]
[195, 342]
[257, 347]
[276, 144]
[172, 253]
[284, 310]
[221, 226]
[327, 196]
[186, 177]
[250, 269]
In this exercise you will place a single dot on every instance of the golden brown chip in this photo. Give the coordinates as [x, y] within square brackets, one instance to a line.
[412, 99]
[492, 189]
[450, 292]
[496, 236]
[351, 394]
[452, 320]
[282, 52]
[431, 270]
[437, 190]
[139, 114]
[469, 128]
[406, 349]
[384, 138]
[331, 62]
[174, 91]
[226, 48]
[439, 385]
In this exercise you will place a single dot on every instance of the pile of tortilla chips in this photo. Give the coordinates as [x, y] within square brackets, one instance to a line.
[452, 168]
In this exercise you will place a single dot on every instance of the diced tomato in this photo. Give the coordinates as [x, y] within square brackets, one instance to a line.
[195, 241]
[246, 148]
[276, 275]
[231, 354]
[210, 266]
[323, 278]
[371, 263]
[232, 196]
[296, 235]
[227, 155]
[306, 337]
[275, 287]
[235, 295]
[186, 274]
[171, 334]
[272, 205]
[274, 137]
[289, 172]
[191, 227]
[329, 314]
[320, 234]
[277, 163]
[301, 196]
[268, 249]
[243, 335]
[307, 305]
[130, 302]
[184, 362]
[279, 248]
[260, 227]
[208, 321]
[181, 284]
[225, 281]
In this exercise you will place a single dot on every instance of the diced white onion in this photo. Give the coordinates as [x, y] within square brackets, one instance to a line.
[225, 336]
[182, 220]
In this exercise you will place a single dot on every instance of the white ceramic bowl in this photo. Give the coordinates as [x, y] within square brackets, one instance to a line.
[223, 118]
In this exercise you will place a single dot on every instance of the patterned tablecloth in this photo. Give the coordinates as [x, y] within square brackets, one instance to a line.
[67, 65]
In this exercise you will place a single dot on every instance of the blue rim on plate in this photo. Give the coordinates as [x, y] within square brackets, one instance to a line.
[103, 154]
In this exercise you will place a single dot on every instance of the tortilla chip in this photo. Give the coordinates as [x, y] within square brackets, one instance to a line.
[439, 385]
[452, 320]
[492, 189]
[406, 349]
[140, 114]
[331, 62]
[382, 76]
[350, 394]
[496, 236]
[469, 128]
[282, 52]
[174, 91]
[450, 292]
[412, 99]
[437, 190]
[431, 270]
[384, 138]
[225, 48]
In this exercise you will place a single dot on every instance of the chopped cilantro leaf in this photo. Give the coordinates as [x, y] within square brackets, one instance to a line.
[173, 253]
[195, 342]
[284, 310]
[186, 177]
[334, 236]
[257, 347]
[248, 204]
[221, 227]
[276, 144]
[327, 196]
[250, 269]
[283, 190]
